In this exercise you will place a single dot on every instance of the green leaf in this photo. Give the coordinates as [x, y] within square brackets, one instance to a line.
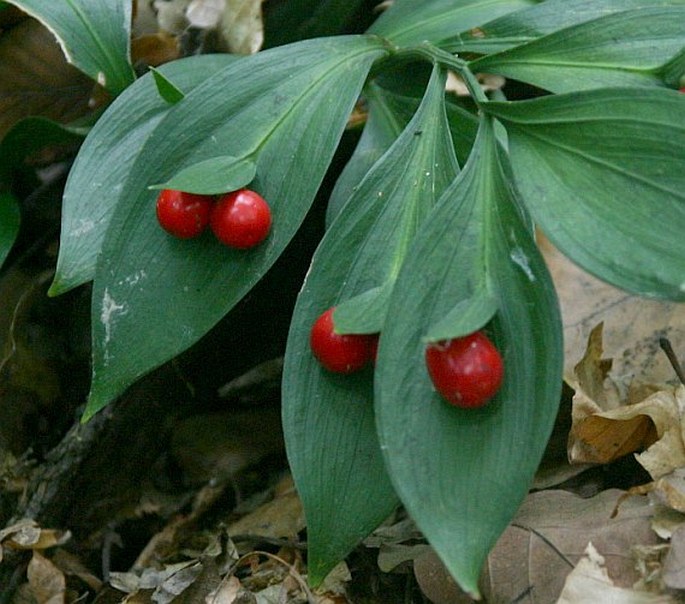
[94, 187]
[607, 51]
[328, 419]
[213, 176]
[673, 72]
[408, 23]
[29, 136]
[466, 317]
[520, 27]
[285, 108]
[461, 473]
[602, 174]
[389, 111]
[9, 224]
[167, 89]
[94, 36]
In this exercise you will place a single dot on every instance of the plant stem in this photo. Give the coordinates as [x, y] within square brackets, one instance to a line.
[677, 367]
[438, 55]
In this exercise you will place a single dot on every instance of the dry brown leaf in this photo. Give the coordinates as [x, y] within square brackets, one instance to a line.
[653, 425]
[590, 582]
[633, 325]
[227, 593]
[547, 539]
[48, 584]
[241, 28]
[282, 517]
[35, 78]
[216, 446]
[26, 534]
[673, 573]
[488, 82]
[154, 49]
[670, 489]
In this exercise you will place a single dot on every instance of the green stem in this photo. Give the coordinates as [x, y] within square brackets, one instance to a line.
[438, 55]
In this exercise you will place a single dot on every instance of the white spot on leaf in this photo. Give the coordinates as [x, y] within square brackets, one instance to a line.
[109, 311]
[519, 257]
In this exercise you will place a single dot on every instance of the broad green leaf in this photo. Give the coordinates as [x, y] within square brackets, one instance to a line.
[9, 224]
[166, 88]
[94, 36]
[603, 174]
[213, 176]
[461, 473]
[389, 111]
[95, 184]
[408, 22]
[328, 419]
[286, 109]
[29, 136]
[520, 27]
[466, 317]
[607, 51]
[295, 20]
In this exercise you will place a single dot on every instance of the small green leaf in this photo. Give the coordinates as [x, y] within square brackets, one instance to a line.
[213, 176]
[328, 419]
[9, 224]
[520, 27]
[407, 22]
[94, 36]
[462, 473]
[364, 313]
[466, 317]
[95, 184]
[602, 174]
[673, 72]
[167, 89]
[606, 51]
[286, 108]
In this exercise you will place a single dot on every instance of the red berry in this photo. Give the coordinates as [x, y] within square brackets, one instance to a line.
[467, 372]
[183, 215]
[241, 219]
[336, 352]
[682, 89]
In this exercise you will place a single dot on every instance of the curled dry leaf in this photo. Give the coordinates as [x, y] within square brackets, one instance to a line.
[654, 425]
[602, 430]
[590, 582]
[26, 534]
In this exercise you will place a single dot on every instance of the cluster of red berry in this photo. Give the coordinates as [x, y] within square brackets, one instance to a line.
[240, 219]
[467, 372]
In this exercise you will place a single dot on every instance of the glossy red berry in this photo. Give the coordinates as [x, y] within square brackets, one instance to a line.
[241, 219]
[337, 352]
[467, 372]
[183, 215]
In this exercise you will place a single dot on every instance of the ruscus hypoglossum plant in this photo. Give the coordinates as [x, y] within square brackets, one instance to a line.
[430, 229]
